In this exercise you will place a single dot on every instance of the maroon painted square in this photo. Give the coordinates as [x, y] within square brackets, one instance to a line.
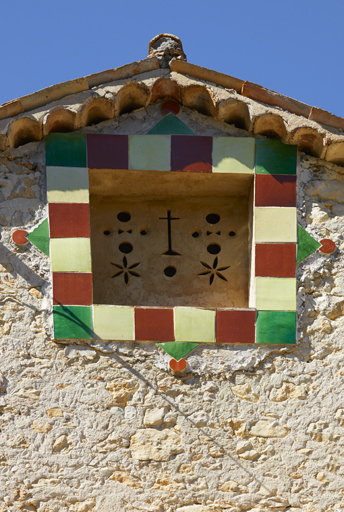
[72, 288]
[107, 151]
[67, 220]
[154, 324]
[191, 153]
[275, 260]
[235, 326]
[275, 190]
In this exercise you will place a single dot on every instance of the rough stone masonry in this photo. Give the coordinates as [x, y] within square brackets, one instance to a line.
[105, 427]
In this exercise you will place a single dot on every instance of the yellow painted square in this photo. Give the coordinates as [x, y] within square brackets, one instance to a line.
[150, 152]
[233, 154]
[113, 322]
[192, 324]
[275, 293]
[70, 254]
[67, 184]
[275, 225]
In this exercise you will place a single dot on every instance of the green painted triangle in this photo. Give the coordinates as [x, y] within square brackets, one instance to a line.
[171, 125]
[177, 349]
[306, 244]
[40, 237]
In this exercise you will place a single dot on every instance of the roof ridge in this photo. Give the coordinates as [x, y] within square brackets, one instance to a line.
[246, 105]
[58, 91]
[245, 88]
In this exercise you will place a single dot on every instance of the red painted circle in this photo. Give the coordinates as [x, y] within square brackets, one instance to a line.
[170, 106]
[327, 246]
[19, 237]
[178, 366]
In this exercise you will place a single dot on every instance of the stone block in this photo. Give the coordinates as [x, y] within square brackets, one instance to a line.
[268, 428]
[154, 417]
[158, 445]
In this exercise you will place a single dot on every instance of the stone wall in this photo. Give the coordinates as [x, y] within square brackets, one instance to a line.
[106, 427]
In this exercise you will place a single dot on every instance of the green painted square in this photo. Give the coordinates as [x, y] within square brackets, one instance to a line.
[114, 323]
[171, 125]
[191, 324]
[306, 244]
[73, 322]
[66, 149]
[276, 293]
[233, 154]
[70, 255]
[278, 327]
[274, 157]
[40, 237]
[150, 152]
[67, 184]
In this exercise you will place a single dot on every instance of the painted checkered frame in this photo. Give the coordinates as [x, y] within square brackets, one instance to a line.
[272, 316]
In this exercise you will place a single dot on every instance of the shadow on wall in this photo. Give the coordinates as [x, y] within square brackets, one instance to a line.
[171, 403]
[19, 267]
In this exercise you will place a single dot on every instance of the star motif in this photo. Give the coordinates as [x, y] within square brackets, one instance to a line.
[125, 270]
[213, 271]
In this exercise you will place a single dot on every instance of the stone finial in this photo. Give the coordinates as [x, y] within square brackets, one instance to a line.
[166, 47]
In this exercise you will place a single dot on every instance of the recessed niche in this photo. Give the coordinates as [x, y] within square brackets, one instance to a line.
[177, 239]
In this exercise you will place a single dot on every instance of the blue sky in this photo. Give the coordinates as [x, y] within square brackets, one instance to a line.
[292, 47]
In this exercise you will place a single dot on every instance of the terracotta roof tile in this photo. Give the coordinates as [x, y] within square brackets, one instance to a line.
[58, 91]
[11, 109]
[126, 71]
[324, 117]
[246, 105]
[259, 93]
[53, 93]
[229, 82]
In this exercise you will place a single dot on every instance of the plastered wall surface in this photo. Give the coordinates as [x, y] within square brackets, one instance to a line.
[104, 426]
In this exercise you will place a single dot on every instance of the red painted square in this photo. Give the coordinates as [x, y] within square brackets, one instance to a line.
[235, 326]
[72, 288]
[68, 220]
[191, 153]
[154, 324]
[275, 190]
[107, 151]
[275, 260]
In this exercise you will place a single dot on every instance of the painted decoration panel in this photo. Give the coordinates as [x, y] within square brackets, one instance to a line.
[154, 238]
